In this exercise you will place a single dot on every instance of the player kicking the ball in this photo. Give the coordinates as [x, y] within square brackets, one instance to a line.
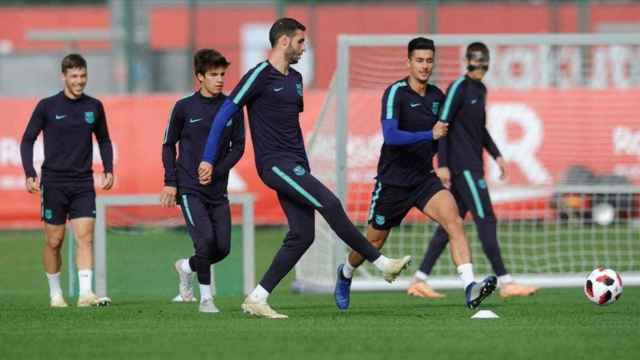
[273, 94]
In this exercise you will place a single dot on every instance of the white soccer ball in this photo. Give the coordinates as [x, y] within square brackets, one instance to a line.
[603, 286]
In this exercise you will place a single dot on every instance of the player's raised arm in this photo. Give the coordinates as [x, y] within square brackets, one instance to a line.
[101, 132]
[35, 125]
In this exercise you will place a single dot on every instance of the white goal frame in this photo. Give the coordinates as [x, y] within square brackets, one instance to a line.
[324, 281]
[246, 201]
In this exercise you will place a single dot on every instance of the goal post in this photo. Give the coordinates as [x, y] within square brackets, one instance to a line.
[558, 104]
[101, 237]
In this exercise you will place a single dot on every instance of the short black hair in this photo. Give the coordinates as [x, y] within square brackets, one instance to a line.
[477, 47]
[207, 59]
[420, 43]
[73, 61]
[284, 26]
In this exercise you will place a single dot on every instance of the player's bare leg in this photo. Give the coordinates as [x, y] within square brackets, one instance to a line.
[83, 231]
[54, 238]
[442, 208]
[377, 238]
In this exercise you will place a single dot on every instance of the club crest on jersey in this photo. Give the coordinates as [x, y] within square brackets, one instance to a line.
[482, 184]
[380, 219]
[435, 106]
[299, 89]
[89, 118]
[299, 170]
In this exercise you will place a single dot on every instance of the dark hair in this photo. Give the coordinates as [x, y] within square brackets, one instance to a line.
[477, 47]
[73, 61]
[284, 26]
[207, 59]
[420, 43]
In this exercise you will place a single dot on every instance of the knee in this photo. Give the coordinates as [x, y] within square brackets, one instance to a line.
[332, 204]
[84, 239]
[453, 224]
[223, 250]
[205, 252]
[302, 238]
[54, 242]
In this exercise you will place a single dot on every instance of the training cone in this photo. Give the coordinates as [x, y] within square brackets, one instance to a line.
[485, 314]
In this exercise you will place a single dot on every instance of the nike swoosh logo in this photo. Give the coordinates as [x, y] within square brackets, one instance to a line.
[278, 89]
[194, 120]
[414, 105]
[474, 101]
[58, 117]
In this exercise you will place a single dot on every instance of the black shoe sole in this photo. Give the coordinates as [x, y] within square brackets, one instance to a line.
[488, 288]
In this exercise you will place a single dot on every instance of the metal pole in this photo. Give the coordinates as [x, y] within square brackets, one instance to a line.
[71, 261]
[191, 45]
[100, 248]
[248, 245]
[342, 128]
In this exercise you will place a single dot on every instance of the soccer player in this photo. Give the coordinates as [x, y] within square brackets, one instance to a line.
[406, 178]
[67, 121]
[461, 168]
[273, 92]
[205, 207]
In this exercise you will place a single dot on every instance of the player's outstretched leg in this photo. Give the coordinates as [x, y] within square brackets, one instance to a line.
[443, 209]
[486, 226]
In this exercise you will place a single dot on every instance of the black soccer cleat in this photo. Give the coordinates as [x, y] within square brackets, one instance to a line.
[476, 292]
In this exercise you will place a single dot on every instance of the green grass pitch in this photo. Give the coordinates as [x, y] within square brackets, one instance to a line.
[143, 324]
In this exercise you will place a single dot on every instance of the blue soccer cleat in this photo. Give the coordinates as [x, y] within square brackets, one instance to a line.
[475, 292]
[343, 290]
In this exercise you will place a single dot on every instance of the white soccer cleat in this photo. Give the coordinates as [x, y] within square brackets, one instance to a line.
[58, 302]
[207, 306]
[395, 268]
[88, 300]
[261, 310]
[185, 285]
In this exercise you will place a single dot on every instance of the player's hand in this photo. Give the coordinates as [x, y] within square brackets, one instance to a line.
[205, 173]
[32, 185]
[440, 130]
[503, 168]
[107, 181]
[168, 196]
[445, 176]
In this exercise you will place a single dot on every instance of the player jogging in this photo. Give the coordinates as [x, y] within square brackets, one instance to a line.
[273, 94]
[406, 179]
[205, 207]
